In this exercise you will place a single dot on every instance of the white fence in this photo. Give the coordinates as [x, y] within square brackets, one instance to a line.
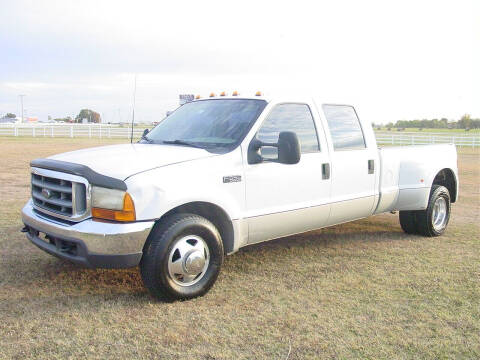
[70, 130]
[414, 139]
[115, 131]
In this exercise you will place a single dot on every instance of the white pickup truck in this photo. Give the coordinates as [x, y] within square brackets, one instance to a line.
[224, 172]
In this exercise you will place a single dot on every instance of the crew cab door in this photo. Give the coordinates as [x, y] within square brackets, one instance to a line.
[354, 165]
[284, 199]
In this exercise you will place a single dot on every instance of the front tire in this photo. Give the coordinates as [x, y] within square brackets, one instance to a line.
[182, 257]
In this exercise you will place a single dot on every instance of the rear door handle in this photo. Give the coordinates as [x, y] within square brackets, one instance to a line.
[371, 166]
[325, 171]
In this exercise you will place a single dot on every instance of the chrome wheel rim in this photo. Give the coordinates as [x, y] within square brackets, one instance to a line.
[439, 215]
[188, 260]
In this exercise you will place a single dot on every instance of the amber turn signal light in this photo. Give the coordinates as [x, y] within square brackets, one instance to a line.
[126, 214]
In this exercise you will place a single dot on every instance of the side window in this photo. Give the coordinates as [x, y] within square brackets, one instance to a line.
[344, 127]
[289, 117]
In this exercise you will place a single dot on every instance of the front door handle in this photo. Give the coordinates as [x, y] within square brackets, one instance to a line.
[325, 171]
[371, 166]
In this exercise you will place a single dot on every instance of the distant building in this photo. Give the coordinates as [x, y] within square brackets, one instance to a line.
[185, 98]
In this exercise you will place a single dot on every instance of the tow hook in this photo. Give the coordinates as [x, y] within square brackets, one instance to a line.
[25, 229]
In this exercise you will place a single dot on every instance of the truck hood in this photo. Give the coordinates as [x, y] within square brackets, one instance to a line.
[122, 161]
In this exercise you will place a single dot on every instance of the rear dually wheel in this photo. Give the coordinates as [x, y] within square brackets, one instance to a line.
[434, 219]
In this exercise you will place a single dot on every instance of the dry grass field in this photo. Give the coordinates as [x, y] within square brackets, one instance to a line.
[358, 290]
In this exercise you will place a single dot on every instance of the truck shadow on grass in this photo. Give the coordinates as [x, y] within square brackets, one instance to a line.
[328, 239]
[52, 277]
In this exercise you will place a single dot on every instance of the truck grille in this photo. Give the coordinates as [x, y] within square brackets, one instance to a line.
[61, 197]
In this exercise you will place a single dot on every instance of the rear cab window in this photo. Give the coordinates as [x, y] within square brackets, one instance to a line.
[344, 127]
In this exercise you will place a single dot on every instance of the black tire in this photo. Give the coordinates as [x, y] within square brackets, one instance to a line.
[408, 222]
[424, 221]
[161, 241]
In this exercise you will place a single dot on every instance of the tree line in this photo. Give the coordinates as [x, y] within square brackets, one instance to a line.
[85, 115]
[466, 122]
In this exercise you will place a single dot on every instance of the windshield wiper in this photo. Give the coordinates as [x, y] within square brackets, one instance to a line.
[181, 142]
[145, 138]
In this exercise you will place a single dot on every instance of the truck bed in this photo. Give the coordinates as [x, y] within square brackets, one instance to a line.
[407, 172]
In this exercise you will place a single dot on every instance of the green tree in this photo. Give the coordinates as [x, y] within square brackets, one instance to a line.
[465, 122]
[90, 115]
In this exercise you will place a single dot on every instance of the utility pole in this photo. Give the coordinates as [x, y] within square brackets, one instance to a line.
[133, 111]
[21, 102]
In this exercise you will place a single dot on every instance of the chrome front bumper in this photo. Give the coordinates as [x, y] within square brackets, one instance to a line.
[90, 243]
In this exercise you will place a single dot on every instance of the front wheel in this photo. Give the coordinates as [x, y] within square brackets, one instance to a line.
[182, 257]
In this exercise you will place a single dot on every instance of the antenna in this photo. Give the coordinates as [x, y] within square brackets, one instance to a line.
[133, 111]
[21, 101]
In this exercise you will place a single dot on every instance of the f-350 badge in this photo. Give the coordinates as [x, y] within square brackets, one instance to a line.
[232, 178]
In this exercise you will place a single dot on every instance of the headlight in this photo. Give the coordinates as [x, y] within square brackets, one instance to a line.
[112, 204]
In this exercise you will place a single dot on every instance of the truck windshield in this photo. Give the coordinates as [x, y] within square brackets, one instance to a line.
[213, 123]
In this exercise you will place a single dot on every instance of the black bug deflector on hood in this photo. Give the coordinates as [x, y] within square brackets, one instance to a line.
[84, 171]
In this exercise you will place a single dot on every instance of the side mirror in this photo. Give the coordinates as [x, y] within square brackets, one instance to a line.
[288, 149]
[145, 132]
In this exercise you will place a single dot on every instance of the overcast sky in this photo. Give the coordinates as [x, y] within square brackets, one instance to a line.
[391, 59]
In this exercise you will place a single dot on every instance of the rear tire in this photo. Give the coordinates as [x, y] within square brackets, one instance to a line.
[408, 222]
[182, 257]
[434, 220]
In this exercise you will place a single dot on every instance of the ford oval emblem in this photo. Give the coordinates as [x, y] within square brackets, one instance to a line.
[46, 193]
